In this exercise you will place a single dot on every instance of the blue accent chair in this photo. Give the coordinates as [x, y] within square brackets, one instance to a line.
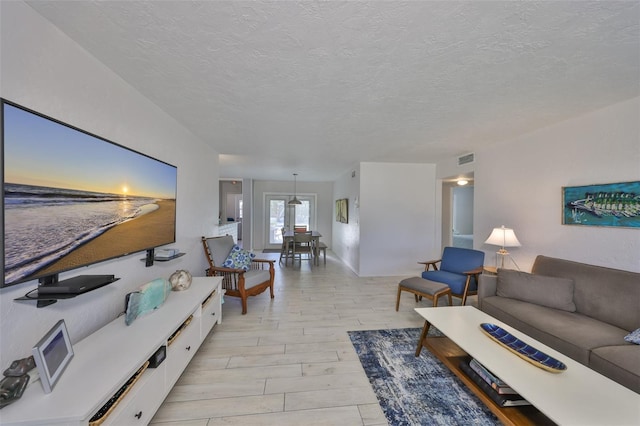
[459, 269]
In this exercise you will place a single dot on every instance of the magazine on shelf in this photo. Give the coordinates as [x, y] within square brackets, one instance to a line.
[495, 382]
[503, 400]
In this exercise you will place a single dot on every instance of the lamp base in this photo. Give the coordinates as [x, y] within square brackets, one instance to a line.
[501, 254]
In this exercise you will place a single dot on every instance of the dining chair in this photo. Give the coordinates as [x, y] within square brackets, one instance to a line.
[286, 251]
[303, 244]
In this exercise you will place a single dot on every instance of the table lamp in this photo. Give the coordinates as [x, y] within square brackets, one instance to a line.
[503, 237]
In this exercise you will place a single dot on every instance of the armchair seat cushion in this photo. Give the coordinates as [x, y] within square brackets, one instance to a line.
[456, 282]
[255, 276]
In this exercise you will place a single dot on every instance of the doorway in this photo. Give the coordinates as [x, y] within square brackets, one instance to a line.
[457, 213]
[279, 215]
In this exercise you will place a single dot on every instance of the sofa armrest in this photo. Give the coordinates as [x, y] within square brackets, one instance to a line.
[487, 286]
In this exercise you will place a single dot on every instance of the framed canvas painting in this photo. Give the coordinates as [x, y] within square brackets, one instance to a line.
[608, 204]
[342, 211]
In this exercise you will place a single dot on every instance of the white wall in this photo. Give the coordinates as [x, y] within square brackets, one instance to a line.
[397, 217]
[324, 206]
[346, 236]
[247, 213]
[44, 70]
[519, 184]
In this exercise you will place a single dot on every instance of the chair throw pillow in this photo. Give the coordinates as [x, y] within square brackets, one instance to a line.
[238, 258]
[633, 337]
[553, 292]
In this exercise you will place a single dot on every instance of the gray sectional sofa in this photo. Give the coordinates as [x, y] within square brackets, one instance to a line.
[583, 311]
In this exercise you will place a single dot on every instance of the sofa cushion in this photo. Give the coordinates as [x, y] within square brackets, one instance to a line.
[552, 292]
[610, 295]
[570, 333]
[620, 363]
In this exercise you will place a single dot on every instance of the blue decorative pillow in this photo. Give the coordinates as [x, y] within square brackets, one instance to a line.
[633, 337]
[239, 259]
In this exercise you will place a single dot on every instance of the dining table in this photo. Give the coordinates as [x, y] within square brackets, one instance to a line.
[315, 237]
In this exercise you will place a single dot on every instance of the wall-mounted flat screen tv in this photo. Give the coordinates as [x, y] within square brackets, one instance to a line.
[72, 198]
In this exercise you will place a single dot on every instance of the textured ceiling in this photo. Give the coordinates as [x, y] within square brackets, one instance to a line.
[315, 87]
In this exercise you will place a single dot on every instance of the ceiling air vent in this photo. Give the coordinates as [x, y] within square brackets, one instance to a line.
[466, 159]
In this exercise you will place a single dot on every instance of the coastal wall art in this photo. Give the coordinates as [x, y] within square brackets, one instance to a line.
[607, 204]
[342, 211]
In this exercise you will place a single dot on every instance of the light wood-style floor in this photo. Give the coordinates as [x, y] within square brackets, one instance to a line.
[289, 361]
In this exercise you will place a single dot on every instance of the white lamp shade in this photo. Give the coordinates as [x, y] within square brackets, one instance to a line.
[503, 237]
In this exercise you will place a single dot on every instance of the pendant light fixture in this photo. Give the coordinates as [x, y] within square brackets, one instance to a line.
[295, 198]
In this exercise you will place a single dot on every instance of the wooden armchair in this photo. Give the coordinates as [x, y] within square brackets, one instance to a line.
[459, 269]
[237, 282]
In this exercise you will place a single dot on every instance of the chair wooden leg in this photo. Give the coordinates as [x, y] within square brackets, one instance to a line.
[466, 289]
[398, 298]
[244, 305]
[423, 336]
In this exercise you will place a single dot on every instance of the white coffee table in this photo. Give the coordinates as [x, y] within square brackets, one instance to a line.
[577, 396]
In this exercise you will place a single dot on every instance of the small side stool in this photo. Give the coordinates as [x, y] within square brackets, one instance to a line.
[423, 288]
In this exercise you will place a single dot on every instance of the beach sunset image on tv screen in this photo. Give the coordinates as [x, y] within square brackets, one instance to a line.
[72, 199]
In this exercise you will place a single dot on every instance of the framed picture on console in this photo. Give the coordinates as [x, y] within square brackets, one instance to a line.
[608, 204]
[52, 354]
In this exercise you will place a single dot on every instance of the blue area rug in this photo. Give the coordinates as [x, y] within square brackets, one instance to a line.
[415, 391]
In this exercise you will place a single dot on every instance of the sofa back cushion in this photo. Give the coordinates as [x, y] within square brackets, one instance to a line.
[609, 295]
[553, 292]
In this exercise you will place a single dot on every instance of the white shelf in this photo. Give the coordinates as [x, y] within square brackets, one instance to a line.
[106, 359]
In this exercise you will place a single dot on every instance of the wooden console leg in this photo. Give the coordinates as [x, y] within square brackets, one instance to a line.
[423, 336]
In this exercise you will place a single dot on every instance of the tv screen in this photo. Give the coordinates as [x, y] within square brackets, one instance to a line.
[72, 198]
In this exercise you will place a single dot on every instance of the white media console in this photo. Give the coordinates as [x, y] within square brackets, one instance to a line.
[104, 361]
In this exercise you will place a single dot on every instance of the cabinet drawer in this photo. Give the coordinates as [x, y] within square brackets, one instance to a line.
[142, 401]
[210, 313]
[182, 349]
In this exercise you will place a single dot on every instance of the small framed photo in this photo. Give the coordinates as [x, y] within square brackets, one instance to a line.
[52, 354]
